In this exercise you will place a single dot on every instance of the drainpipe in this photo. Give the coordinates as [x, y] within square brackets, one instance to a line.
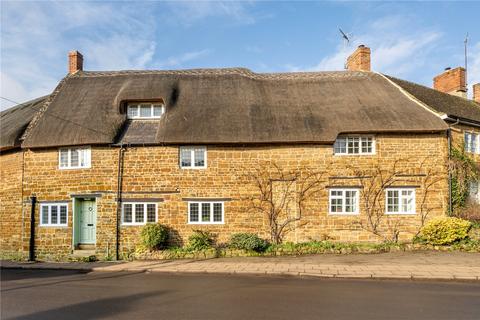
[31, 256]
[119, 201]
[450, 191]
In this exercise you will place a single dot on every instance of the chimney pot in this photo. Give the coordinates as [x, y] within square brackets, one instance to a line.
[75, 62]
[451, 81]
[476, 92]
[360, 59]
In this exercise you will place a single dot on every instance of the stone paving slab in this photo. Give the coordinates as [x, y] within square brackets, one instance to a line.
[399, 265]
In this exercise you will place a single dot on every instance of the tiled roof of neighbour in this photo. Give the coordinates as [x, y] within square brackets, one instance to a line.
[14, 121]
[206, 106]
[442, 102]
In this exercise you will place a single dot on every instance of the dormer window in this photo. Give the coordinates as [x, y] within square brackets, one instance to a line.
[345, 145]
[145, 110]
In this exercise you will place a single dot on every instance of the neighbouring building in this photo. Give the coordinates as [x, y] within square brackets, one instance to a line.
[107, 152]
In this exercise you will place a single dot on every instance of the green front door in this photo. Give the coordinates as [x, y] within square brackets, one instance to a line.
[88, 222]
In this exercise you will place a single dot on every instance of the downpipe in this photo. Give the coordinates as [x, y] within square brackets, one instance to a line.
[31, 251]
[119, 201]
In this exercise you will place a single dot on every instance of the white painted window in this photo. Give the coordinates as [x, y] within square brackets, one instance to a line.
[193, 157]
[74, 158]
[54, 214]
[205, 212]
[344, 201]
[138, 213]
[400, 201]
[474, 191]
[354, 145]
[472, 142]
[145, 110]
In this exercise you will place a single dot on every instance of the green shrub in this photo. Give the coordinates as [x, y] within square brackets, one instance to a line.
[445, 230]
[200, 240]
[154, 235]
[248, 241]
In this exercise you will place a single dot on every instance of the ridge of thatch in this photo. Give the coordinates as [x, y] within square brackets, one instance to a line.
[217, 106]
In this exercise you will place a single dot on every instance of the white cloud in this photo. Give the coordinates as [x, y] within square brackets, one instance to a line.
[181, 59]
[190, 12]
[473, 66]
[395, 48]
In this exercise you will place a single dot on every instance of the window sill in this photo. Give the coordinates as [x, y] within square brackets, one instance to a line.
[206, 223]
[344, 214]
[400, 213]
[74, 168]
[53, 226]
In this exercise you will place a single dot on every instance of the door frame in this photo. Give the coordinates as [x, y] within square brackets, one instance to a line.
[76, 205]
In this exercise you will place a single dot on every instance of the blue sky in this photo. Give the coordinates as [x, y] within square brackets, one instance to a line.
[411, 40]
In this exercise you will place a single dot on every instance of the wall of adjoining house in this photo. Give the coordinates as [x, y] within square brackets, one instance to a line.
[458, 138]
[11, 204]
[154, 173]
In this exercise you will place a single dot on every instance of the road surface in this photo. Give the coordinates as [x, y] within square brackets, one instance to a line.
[48, 294]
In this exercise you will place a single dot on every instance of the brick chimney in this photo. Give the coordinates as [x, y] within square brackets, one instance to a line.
[476, 92]
[451, 81]
[359, 60]
[75, 61]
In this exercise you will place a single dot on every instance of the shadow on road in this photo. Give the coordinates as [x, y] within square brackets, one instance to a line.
[97, 309]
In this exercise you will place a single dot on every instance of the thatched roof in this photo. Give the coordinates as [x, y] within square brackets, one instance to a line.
[226, 106]
[14, 121]
[454, 106]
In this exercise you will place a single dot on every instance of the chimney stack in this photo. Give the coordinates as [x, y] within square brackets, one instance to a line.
[75, 61]
[476, 92]
[451, 81]
[359, 60]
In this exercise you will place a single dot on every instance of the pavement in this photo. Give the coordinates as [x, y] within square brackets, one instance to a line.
[72, 294]
[397, 265]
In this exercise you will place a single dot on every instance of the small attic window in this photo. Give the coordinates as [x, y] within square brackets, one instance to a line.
[145, 110]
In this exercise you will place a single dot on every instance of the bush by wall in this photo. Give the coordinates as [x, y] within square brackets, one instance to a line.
[247, 241]
[154, 236]
[200, 240]
[445, 231]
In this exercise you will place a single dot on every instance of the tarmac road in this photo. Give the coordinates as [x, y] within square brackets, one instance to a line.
[57, 294]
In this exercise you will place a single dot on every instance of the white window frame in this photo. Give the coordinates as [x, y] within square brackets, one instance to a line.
[88, 158]
[467, 137]
[344, 213]
[151, 104]
[49, 223]
[134, 222]
[474, 191]
[360, 153]
[400, 198]
[192, 157]
[211, 212]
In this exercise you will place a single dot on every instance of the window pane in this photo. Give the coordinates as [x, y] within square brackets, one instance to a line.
[194, 212]
[199, 157]
[74, 157]
[44, 214]
[350, 201]
[54, 214]
[185, 157]
[151, 212]
[145, 111]
[139, 213]
[217, 212]
[127, 213]
[367, 145]
[132, 111]
[340, 145]
[205, 212]
[63, 214]
[157, 110]
[64, 158]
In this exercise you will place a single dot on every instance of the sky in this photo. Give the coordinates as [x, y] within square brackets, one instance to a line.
[411, 40]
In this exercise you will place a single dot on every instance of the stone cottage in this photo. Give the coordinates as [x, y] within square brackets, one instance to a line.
[84, 168]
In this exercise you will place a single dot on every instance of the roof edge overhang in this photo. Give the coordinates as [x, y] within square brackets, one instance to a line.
[460, 120]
